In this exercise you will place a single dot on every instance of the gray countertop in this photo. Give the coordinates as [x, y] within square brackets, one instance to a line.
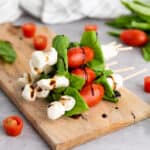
[135, 137]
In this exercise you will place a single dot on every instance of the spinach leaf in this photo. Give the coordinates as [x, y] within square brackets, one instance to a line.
[146, 52]
[61, 43]
[80, 105]
[7, 53]
[90, 39]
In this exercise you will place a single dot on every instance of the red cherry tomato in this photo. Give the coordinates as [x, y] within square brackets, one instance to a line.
[147, 84]
[92, 94]
[86, 73]
[29, 29]
[13, 125]
[134, 37]
[91, 27]
[78, 56]
[40, 42]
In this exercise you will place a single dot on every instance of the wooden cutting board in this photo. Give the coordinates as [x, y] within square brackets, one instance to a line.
[66, 132]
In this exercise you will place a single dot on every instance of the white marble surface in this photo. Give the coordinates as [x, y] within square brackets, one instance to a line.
[135, 137]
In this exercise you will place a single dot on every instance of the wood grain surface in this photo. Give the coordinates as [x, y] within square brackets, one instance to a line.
[64, 133]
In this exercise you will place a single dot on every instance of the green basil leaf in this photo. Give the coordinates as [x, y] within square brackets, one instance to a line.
[7, 53]
[80, 105]
[61, 43]
[90, 39]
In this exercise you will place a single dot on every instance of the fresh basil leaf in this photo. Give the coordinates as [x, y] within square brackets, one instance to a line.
[61, 43]
[109, 93]
[7, 53]
[73, 44]
[146, 52]
[110, 99]
[90, 39]
[76, 81]
[53, 97]
[80, 105]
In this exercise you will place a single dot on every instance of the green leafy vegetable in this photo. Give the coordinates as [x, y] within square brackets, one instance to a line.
[7, 53]
[80, 105]
[56, 94]
[73, 44]
[61, 43]
[90, 39]
[146, 52]
[76, 81]
[109, 93]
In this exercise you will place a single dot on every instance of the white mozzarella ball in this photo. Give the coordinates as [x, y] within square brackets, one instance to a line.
[51, 57]
[25, 79]
[55, 110]
[38, 59]
[118, 80]
[61, 81]
[109, 52]
[111, 82]
[41, 93]
[47, 84]
[29, 93]
[68, 102]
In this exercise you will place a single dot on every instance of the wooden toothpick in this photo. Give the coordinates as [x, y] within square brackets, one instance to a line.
[135, 74]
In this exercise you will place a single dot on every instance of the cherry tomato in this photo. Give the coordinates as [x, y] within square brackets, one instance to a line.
[86, 73]
[40, 42]
[90, 27]
[147, 84]
[134, 37]
[13, 125]
[29, 29]
[92, 94]
[78, 56]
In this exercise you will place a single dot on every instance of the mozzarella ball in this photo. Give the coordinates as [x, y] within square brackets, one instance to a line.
[51, 57]
[38, 60]
[55, 110]
[41, 93]
[111, 82]
[109, 52]
[118, 80]
[68, 102]
[29, 93]
[25, 79]
[61, 81]
[47, 84]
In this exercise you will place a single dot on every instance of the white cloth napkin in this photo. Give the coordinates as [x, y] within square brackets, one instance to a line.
[9, 10]
[60, 11]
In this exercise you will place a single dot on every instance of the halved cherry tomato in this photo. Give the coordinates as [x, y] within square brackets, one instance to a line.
[86, 73]
[92, 94]
[90, 27]
[40, 42]
[147, 84]
[13, 125]
[134, 37]
[29, 29]
[78, 56]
